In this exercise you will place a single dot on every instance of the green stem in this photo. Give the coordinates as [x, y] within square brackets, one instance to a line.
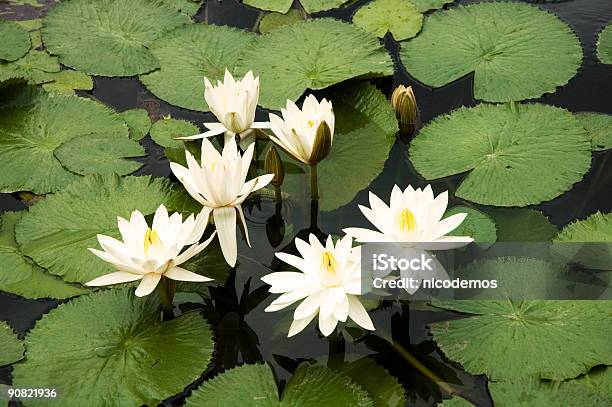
[335, 357]
[314, 184]
[278, 196]
[167, 288]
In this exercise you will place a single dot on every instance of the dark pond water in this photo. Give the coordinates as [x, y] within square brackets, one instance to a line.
[245, 334]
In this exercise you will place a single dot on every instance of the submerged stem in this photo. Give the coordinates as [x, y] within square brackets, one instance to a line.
[167, 288]
[314, 184]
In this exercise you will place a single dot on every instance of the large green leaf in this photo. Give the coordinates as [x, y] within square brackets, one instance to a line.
[521, 225]
[31, 134]
[502, 43]
[15, 41]
[365, 131]
[35, 67]
[477, 225]
[272, 21]
[108, 37]
[595, 228]
[69, 81]
[604, 45]
[20, 276]
[312, 54]
[399, 17]
[189, 54]
[164, 132]
[383, 388]
[599, 129]
[11, 350]
[425, 5]
[138, 122]
[516, 155]
[100, 154]
[188, 7]
[314, 6]
[111, 348]
[279, 6]
[244, 385]
[57, 231]
[541, 339]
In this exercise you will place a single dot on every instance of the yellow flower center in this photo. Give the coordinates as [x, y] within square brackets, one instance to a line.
[310, 123]
[406, 220]
[151, 239]
[329, 270]
[213, 165]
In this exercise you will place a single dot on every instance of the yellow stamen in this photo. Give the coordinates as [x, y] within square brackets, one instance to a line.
[213, 165]
[329, 270]
[310, 123]
[151, 238]
[329, 262]
[406, 220]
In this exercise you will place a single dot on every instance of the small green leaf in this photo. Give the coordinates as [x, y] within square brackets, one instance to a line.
[188, 7]
[272, 21]
[165, 131]
[599, 129]
[521, 225]
[476, 224]
[455, 401]
[279, 6]
[425, 5]
[68, 82]
[383, 388]
[314, 6]
[399, 17]
[138, 122]
[15, 41]
[604, 45]
[12, 349]
[35, 67]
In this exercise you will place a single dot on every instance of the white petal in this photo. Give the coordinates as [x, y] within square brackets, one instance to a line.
[244, 225]
[366, 235]
[284, 281]
[298, 325]
[193, 251]
[327, 325]
[225, 222]
[358, 313]
[148, 284]
[114, 278]
[180, 274]
[293, 260]
[308, 307]
[206, 134]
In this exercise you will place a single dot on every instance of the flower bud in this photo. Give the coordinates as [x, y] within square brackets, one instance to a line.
[274, 165]
[322, 143]
[406, 109]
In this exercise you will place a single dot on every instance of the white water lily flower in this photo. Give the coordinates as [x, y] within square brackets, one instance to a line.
[148, 253]
[220, 186]
[329, 283]
[297, 131]
[413, 216]
[233, 103]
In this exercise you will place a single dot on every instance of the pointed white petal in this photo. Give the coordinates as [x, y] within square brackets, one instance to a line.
[298, 325]
[358, 313]
[180, 274]
[327, 325]
[225, 223]
[148, 284]
[114, 278]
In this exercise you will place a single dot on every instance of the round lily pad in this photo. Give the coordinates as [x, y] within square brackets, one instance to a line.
[108, 37]
[189, 54]
[599, 129]
[595, 228]
[312, 54]
[272, 21]
[502, 43]
[509, 340]
[515, 155]
[476, 224]
[20, 276]
[188, 7]
[138, 122]
[15, 41]
[365, 131]
[100, 154]
[521, 225]
[164, 132]
[35, 67]
[11, 350]
[279, 6]
[113, 349]
[313, 385]
[31, 134]
[604, 45]
[57, 231]
[399, 17]
[69, 81]
[383, 388]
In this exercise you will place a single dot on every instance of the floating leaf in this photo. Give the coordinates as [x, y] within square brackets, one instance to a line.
[399, 17]
[11, 350]
[20, 276]
[425, 5]
[108, 37]
[100, 154]
[242, 385]
[365, 132]
[189, 54]
[314, 6]
[57, 231]
[521, 225]
[515, 156]
[477, 225]
[138, 122]
[599, 129]
[15, 41]
[35, 67]
[598, 380]
[69, 81]
[272, 21]
[502, 43]
[279, 6]
[312, 54]
[455, 401]
[188, 7]
[383, 388]
[604, 45]
[31, 134]
[127, 357]
[164, 132]
[33, 28]
[510, 340]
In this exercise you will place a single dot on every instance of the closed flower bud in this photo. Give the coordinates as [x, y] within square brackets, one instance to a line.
[406, 109]
[322, 143]
[274, 165]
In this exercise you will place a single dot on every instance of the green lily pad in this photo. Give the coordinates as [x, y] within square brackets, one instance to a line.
[100, 154]
[426, 5]
[502, 44]
[312, 54]
[399, 17]
[15, 41]
[521, 225]
[279, 6]
[35, 67]
[598, 380]
[188, 7]
[127, 357]
[314, 6]
[365, 131]
[455, 402]
[164, 132]
[12, 349]
[108, 37]
[138, 122]
[33, 28]
[383, 388]
[189, 54]
[540, 339]
[69, 81]
[272, 21]
[516, 155]
[57, 231]
[604, 45]
[21, 276]
[599, 129]
[477, 225]
[243, 385]
[32, 134]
